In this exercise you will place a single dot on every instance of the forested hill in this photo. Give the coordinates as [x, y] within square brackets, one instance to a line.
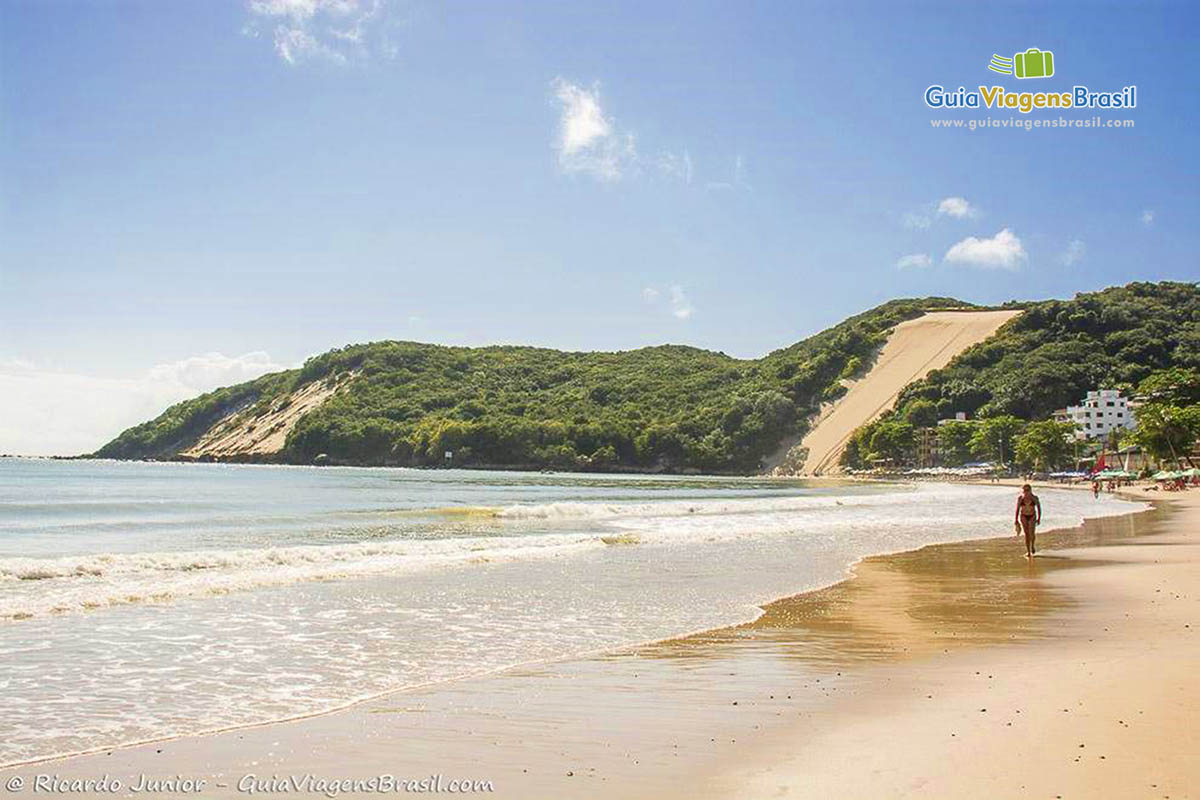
[669, 407]
[1046, 359]
[1056, 351]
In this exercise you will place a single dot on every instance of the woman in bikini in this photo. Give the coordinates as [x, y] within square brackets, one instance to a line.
[1029, 516]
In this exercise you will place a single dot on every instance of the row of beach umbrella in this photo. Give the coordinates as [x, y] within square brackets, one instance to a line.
[1165, 475]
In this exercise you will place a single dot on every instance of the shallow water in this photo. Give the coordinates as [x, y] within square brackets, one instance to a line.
[147, 600]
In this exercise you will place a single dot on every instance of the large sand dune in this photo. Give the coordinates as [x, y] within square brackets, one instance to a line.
[914, 349]
[240, 434]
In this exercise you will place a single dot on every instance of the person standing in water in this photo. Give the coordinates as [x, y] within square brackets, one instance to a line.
[1028, 517]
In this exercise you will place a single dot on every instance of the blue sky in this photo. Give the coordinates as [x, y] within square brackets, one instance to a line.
[192, 193]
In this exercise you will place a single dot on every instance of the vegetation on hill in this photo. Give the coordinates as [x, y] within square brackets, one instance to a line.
[1045, 359]
[1169, 416]
[669, 407]
[179, 427]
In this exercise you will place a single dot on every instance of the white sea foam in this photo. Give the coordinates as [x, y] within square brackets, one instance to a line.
[34, 586]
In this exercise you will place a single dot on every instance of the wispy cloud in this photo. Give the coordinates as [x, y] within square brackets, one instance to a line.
[336, 31]
[678, 304]
[1002, 251]
[681, 306]
[955, 207]
[1148, 216]
[916, 260]
[49, 412]
[1073, 254]
[917, 220]
[676, 165]
[737, 178]
[587, 140]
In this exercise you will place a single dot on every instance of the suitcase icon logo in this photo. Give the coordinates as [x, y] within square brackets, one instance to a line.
[1033, 63]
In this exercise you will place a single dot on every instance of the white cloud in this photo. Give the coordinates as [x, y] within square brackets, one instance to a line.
[336, 31]
[914, 260]
[45, 412]
[678, 304]
[1073, 254]
[1002, 251]
[681, 306]
[1147, 216]
[210, 370]
[957, 207]
[587, 141]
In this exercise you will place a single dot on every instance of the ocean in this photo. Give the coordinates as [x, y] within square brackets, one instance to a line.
[148, 600]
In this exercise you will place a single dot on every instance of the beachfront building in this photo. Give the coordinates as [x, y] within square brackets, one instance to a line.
[1100, 413]
[927, 447]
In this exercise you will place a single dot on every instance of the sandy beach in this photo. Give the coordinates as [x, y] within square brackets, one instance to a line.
[955, 670]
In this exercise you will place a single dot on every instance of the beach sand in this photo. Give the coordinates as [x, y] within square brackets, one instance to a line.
[958, 670]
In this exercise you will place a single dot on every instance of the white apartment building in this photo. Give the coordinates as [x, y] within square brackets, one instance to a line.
[1100, 412]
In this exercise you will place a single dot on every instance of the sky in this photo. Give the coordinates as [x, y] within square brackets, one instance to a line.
[194, 193]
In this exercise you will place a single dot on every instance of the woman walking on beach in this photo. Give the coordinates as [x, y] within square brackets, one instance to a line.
[1029, 516]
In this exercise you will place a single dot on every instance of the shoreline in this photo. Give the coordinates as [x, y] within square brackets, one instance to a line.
[1104, 706]
[763, 608]
[197, 745]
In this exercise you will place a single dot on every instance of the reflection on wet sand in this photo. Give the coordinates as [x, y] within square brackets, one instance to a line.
[907, 605]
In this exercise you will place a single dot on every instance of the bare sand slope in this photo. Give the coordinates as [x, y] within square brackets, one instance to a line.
[241, 433]
[914, 349]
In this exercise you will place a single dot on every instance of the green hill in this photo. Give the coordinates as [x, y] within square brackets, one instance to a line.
[680, 408]
[669, 407]
[1046, 359]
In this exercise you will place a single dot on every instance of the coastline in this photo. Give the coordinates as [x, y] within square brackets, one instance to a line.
[679, 707]
[1103, 706]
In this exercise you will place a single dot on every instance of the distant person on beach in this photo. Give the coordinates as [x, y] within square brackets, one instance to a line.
[1029, 516]
[1096, 489]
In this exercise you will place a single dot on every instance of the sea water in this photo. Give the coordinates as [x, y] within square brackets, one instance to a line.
[144, 600]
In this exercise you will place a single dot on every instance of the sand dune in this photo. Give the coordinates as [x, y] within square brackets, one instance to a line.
[914, 349]
[240, 433]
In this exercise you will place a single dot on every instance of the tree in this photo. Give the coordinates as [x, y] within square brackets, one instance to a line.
[993, 437]
[1176, 386]
[892, 440]
[1044, 445]
[954, 440]
[921, 413]
[1168, 432]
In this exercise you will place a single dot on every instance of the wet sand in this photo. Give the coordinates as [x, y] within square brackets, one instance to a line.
[957, 670]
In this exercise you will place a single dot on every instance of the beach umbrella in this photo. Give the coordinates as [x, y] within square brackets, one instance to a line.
[1161, 475]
